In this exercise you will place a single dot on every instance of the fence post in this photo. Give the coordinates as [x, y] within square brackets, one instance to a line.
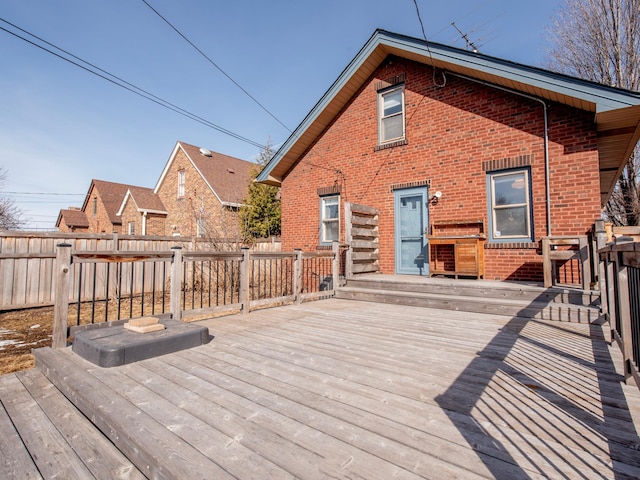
[297, 276]
[583, 247]
[624, 312]
[61, 308]
[176, 283]
[612, 309]
[335, 246]
[601, 242]
[245, 274]
[547, 263]
[348, 238]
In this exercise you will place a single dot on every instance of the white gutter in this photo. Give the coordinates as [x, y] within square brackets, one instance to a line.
[546, 136]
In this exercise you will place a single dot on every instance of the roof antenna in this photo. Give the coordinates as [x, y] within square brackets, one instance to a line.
[470, 45]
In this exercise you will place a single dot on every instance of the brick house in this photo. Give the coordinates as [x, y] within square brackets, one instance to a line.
[72, 220]
[142, 212]
[100, 209]
[202, 191]
[451, 143]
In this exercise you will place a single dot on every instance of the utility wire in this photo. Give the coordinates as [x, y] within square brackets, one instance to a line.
[123, 84]
[216, 66]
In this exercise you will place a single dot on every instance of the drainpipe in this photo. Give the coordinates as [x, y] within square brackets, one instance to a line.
[546, 136]
[144, 223]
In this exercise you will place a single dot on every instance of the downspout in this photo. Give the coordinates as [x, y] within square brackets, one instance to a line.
[144, 223]
[546, 136]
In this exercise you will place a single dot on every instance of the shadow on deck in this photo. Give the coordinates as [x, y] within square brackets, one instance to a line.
[351, 389]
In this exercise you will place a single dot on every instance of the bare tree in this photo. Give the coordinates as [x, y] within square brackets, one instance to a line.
[599, 40]
[10, 214]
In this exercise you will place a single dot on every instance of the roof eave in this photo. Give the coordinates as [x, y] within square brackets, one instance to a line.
[546, 85]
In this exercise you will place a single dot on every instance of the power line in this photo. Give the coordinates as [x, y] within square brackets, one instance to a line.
[122, 83]
[216, 66]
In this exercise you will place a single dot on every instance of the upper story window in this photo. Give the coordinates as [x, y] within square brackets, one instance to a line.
[131, 228]
[201, 227]
[391, 114]
[510, 205]
[329, 219]
[181, 181]
[95, 206]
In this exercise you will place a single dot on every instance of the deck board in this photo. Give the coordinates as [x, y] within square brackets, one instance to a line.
[347, 389]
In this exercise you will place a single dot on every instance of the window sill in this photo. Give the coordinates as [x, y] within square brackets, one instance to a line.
[385, 146]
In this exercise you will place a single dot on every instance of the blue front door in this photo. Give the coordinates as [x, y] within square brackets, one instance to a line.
[411, 218]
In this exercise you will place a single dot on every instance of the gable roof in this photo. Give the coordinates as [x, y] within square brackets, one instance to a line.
[616, 112]
[145, 200]
[111, 194]
[227, 177]
[73, 218]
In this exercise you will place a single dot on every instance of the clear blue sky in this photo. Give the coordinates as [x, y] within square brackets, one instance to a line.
[60, 126]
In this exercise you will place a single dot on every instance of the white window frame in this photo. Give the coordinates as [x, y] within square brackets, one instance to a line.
[495, 234]
[382, 117]
[182, 177]
[324, 221]
[131, 228]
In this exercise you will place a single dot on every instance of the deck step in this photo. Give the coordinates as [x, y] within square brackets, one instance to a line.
[45, 436]
[473, 288]
[148, 444]
[541, 307]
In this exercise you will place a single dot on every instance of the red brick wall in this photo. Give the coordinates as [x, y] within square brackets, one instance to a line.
[198, 201]
[99, 222]
[451, 131]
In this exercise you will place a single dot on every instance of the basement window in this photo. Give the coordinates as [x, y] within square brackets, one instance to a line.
[509, 202]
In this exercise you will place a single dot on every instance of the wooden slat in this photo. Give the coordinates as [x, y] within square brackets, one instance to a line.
[364, 232]
[160, 455]
[365, 268]
[370, 244]
[45, 443]
[98, 454]
[16, 461]
[363, 209]
[366, 256]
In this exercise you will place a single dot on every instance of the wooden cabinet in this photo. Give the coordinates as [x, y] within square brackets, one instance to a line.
[463, 255]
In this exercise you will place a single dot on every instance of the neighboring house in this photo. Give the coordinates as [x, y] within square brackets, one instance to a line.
[101, 206]
[202, 191]
[516, 153]
[142, 212]
[72, 220]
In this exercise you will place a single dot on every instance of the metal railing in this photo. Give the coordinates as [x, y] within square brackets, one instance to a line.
[107, 287]
[619, 275]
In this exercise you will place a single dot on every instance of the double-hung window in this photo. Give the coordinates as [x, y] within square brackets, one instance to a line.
[391, 114]
[131, 228]
[181, 181]
[510, 205]
[329, 219]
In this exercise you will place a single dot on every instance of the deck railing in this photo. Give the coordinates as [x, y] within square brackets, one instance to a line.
[98, 287]
[619, 273]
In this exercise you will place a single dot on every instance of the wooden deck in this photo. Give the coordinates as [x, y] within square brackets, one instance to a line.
[347, 389]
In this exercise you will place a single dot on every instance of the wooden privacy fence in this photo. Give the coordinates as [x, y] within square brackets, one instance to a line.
[27, 261]
[102, 287]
